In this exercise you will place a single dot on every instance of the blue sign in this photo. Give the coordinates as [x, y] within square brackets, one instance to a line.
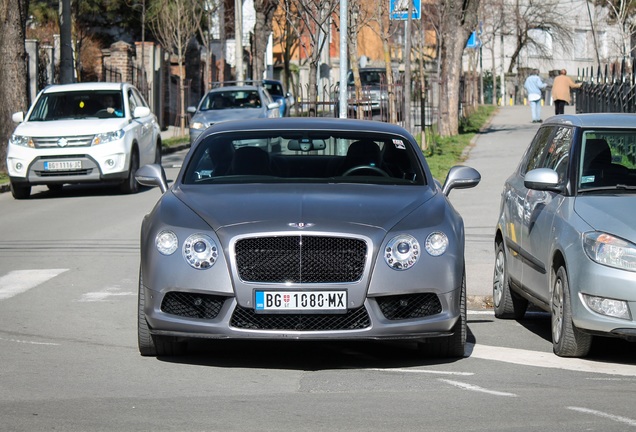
[473, 41]
[400, 9]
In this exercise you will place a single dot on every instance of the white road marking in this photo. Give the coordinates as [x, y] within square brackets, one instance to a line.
[618, 419]
[422, 371]
[19, 281]
[104, 295]
[475, 388]
[29, 342]
[548, 360]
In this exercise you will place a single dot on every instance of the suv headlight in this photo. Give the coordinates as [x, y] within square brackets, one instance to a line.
[23, 141]
[106, 137]
[611, 251]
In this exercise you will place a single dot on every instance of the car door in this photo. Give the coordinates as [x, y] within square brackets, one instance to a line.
[144, 126]
[538, 230]
[514, 203]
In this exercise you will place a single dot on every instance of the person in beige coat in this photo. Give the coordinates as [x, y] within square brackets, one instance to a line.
[561, 89]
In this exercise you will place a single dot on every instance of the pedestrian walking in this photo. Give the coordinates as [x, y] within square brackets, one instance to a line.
[534, 86]
[561, 89]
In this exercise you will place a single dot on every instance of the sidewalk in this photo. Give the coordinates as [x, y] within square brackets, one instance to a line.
[495, 153]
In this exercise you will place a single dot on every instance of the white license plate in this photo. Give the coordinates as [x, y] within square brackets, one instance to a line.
[330, 300]
[62, 165]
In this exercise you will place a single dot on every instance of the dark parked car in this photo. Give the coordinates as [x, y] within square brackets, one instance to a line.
[231, 103]
[565, 238]
[342, 233]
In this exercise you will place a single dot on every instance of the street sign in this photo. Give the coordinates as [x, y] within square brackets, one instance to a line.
[400, 9]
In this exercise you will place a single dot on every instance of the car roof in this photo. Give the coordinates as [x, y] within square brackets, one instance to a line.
[309, 124]
[235, 88]
[54, 88]
[596, 120]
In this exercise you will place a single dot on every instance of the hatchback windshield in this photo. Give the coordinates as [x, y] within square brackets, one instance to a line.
[608, 159]
[230, 99]
[291, 157]
[77, 104]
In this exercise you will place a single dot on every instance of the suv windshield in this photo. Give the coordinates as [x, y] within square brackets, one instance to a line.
[77, 105]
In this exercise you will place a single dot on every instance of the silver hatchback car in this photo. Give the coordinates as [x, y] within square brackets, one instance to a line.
[566, 238]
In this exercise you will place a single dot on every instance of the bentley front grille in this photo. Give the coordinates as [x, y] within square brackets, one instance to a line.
[354, 319]
[300, 259]
[192, 305]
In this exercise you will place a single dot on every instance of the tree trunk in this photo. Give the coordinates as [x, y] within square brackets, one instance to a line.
[265, 10]
[458, 21]
[13, 73]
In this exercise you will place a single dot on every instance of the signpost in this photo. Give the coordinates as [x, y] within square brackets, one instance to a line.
[400, 9]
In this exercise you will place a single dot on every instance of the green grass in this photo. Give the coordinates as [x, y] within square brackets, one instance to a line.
[442, 153]
[4, 178]
[175, 141]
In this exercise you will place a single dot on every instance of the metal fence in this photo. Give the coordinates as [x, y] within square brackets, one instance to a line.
[611, 88]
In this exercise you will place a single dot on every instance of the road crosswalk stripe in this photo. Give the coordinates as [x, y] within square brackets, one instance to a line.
[19, 281]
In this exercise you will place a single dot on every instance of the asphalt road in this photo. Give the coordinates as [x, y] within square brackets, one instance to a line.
[68, 283]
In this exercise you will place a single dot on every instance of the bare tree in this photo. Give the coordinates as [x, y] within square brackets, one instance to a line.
[174, 23]
[314, 17]
[458, 20]
[624, 13]
[13, 73]
[287, 20]
[265, 10]
[492, 12]
[205, 26]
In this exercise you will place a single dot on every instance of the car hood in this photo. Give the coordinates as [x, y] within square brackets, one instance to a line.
[613, 214]
[215, 116]
[75, 127]
[339, 208]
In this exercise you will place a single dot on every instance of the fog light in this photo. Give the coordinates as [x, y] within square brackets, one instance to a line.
[19, 166]
[110, 163]
[608, 307]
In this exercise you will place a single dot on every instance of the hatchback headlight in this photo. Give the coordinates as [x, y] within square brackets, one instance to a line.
[106, 137]
[402, 252]
[200, 251]
[611, 251]
[197, 125]
[23, 141]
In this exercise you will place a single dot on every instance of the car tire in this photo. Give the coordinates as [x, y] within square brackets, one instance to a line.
[158, 153]
[149, 344]
[20, 192]
[506, 303]
[55, 187]
[567, 340]
[453, 346]
[130, 185]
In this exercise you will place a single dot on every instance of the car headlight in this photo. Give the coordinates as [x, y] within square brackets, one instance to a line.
[402, 252]
[200, 251]
[436, 243]
[197, 125]
[23, 141]
[106, 137]
[611, 251]
[166, 242]
[608, 307]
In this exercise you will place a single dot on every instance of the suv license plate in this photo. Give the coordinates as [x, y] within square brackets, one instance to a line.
[62, 165]
[334, 300]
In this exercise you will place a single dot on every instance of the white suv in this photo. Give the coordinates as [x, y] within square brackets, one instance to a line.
[82, 133]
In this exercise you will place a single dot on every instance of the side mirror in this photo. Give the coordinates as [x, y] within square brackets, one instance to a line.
[191, 109]
[460, 177]
[151, 176]
[18, 117]
[141, 111]
[542, 179]
[273, 106]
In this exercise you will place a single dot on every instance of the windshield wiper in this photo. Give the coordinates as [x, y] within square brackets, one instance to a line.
[608, 188]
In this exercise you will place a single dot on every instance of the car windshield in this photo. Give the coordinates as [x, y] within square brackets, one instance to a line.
[314, 157]
[218, 100]
[608, 160]
[77, 105]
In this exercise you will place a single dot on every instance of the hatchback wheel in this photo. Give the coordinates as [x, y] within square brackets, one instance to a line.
[567, 340]
[507, 304]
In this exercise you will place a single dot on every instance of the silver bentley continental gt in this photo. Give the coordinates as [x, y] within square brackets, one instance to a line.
[303, 229]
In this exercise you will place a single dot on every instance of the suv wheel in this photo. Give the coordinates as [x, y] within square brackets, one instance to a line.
[130, 185]
[20, 191]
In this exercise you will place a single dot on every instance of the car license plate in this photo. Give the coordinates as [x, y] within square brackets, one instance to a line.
[334, 300]
[62, 165]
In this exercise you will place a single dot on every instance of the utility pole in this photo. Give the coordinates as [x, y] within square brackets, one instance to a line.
[342, 89]
[238, 37]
